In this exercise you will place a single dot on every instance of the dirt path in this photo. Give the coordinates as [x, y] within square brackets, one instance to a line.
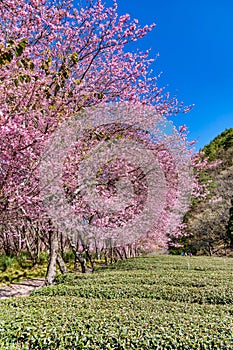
[23, 288]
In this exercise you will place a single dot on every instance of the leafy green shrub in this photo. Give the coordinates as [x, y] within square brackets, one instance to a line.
[68, 256]
[24, 260]
[5, 262]
[43, 258]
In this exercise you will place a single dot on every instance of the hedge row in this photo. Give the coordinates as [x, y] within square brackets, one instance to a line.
[79, 323]
[149, 303]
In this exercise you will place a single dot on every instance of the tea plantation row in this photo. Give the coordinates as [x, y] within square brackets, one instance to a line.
[159, 302]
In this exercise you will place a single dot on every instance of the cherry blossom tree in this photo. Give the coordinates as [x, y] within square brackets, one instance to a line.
[57, 60]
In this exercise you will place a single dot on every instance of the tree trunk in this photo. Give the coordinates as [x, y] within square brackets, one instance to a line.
[82, 262]
[106, 257]
[61, 264]
[119, 253]
[90, 258]
[125, 253]
[51, 270]
[78, 257]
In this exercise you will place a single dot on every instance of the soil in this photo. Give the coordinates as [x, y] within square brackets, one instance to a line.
[23, 288]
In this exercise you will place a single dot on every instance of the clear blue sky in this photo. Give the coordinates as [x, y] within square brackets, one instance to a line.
[195, 43]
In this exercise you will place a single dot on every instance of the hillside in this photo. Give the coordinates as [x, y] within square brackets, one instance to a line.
[210, 221]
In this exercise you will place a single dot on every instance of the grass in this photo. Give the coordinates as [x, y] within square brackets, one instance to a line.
[153, 302]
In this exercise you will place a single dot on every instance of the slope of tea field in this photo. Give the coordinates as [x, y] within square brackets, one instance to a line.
[153, 302]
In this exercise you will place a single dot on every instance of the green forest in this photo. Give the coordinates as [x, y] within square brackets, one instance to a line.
[209, 221]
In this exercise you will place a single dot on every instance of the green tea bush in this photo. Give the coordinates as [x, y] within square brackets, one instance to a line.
[79, 323]
[148, 303]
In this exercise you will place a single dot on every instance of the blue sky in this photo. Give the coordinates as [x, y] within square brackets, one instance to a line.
[195, 43]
